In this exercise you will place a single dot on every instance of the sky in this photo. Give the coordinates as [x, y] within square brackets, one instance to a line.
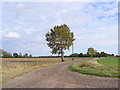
[24, 25]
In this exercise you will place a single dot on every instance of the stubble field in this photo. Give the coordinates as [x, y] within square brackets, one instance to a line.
[13, 67]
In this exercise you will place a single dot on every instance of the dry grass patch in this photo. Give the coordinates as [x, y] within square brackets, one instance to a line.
[90, 63]
[13, 67]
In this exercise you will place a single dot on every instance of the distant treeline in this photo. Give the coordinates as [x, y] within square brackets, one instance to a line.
[5, 54]
[98, 54]
[90, 53]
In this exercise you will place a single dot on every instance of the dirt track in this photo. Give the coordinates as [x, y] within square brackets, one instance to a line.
[58, 76]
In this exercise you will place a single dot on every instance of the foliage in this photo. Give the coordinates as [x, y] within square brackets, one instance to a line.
[103, 54]
[30, 56]
[91, 52]
[25, 55]
[15, 55]
[20, 55]
[74, 55]
[81, 55]
[59, 39]
[5, 54]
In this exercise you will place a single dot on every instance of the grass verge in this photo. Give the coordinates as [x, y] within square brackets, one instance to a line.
[103, 67]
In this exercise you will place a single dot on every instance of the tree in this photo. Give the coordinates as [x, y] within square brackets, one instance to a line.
[86, 55]
[20, 55]
[81, 55]
[103, 54]
[30, 56]
[74, 55]
[5, 54]
[59, 39]
[98, 54]
[91, 52]
[25, 55]
[1, 52]
[15, 55]
[112, 55]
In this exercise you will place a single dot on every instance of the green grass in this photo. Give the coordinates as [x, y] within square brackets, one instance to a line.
[107, 67]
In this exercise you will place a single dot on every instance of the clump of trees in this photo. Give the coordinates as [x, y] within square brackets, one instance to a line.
[91, 52]
[5, 54]
[59, 39]
[16, 55]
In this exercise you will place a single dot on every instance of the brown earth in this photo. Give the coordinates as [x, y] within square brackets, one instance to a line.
[58, 76]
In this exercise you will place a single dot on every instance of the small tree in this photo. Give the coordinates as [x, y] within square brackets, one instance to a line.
[15, 55]
[98, 54]
[20, 55]
[1, 52]
[25, 55]
[91, 52]
[30, 56]
[74, 55]
[103, 54]
[81, 55]
[59, 39]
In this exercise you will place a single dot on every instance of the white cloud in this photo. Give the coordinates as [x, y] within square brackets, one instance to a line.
[12, 35]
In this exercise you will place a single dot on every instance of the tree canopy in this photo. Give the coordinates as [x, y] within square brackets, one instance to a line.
[5, 54]
[15, 55]
[59, 39]
[91, 52]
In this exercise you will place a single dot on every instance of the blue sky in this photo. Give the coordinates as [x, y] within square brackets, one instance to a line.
[93, 23]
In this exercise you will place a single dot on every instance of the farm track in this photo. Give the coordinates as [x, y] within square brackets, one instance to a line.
[58, 76]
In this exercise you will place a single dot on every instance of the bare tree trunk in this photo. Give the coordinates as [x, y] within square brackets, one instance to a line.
[62, 55]
[72, 52]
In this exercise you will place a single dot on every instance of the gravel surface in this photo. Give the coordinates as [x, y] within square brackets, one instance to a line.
[58, 76]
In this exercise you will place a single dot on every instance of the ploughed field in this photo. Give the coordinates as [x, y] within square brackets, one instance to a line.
[13, 67]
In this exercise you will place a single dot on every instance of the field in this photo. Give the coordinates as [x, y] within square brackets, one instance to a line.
[13, 67]
[104, 67]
